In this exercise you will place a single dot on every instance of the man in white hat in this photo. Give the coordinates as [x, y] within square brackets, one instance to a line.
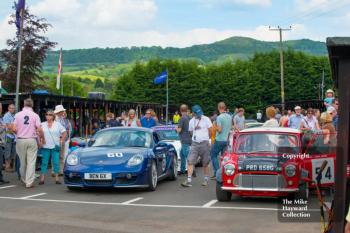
[295, 120]
[61, 117]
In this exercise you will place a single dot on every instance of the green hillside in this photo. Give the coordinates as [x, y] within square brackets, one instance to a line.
[229, 49]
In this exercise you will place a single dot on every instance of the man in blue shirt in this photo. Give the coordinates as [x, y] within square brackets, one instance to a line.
[10, 142]
[223, 128]
[2, 131]
[147, 121]
[295, 120]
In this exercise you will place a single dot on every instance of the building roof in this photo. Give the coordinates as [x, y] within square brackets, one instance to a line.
[338, 48]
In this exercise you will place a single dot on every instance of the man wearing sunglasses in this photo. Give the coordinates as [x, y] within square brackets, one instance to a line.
[147, 121]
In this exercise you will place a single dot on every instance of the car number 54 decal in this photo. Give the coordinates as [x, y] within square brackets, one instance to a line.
[114, 155]
[328, 172]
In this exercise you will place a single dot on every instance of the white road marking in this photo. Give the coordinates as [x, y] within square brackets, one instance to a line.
[209, 204]
[31, 196]
[148, 205]
[132, 200]
[6, 187]
[139, 205]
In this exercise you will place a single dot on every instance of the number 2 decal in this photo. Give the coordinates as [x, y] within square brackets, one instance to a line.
[26, 120]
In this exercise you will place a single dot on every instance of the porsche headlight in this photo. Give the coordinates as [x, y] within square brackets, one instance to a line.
[135, 160]
[72, 159]
[229, 169]
[290, 170]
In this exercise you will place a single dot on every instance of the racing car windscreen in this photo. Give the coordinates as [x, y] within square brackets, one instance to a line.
[122, 138]
[267, 143]
[168, 135]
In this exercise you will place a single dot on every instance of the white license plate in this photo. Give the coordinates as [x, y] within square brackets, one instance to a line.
[98, 176]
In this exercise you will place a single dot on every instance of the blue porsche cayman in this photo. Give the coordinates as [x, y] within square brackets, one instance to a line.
[121, 158]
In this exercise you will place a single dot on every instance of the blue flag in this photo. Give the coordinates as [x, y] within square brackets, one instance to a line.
[19, 7]
[161, 78]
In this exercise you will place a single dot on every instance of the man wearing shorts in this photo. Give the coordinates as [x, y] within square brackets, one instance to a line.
[200, 127]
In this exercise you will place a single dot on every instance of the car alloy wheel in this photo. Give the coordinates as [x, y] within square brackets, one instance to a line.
[154, 175]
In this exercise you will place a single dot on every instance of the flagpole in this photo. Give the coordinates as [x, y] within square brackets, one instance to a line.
[19, 60]
[61, 79]
[167, 98]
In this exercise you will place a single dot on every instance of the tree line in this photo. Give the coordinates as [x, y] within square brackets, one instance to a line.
[252, 84]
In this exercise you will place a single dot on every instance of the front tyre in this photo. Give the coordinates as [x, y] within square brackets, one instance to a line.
[152, 177]
[173, 169]
[303, 192]
[222, 195]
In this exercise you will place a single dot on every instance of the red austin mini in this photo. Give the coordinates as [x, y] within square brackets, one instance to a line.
[274, 162]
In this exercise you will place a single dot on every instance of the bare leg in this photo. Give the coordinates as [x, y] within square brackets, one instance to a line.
[42, 178]
[326, 134]
[206, 171]
[189, 170]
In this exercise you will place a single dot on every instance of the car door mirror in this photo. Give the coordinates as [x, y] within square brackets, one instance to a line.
[91, 142]
[158, 148]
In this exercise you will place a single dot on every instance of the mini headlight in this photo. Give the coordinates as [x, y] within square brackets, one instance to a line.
[229, 169]
[72, 159]
[135, 160]
[290, 170]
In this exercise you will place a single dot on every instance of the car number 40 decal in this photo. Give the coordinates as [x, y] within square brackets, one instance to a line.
[328, 172]
[114, 155]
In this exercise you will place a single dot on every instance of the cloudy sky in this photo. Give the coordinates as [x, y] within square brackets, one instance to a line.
[180, 23]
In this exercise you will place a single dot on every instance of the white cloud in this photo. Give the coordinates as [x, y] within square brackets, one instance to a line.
[211, 3]
[125, 23]
[311, 5]
[7, 31]
[98, 13]
[316, 7]
[253, 2]
[122, 38]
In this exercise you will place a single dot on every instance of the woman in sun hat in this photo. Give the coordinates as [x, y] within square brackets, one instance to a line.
[54, 134]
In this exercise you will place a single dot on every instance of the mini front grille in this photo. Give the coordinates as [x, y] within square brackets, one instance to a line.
[259, 181]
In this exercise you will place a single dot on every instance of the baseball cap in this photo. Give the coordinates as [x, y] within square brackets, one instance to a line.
[330, 91]
[196, 109]
[297, 108]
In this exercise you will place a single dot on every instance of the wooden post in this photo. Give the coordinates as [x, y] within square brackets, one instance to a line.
[339, 54]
